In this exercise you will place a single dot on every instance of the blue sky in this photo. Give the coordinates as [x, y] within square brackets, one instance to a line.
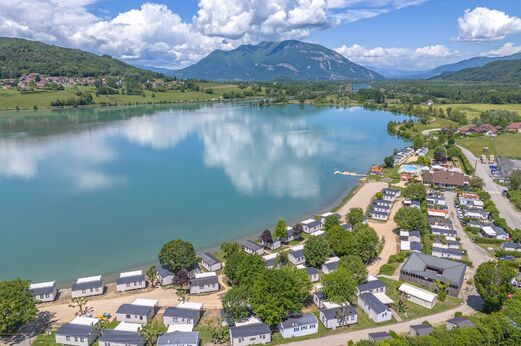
[384, 34]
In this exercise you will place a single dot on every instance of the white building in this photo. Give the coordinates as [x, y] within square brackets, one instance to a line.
[44, 291]
[204, 282]
[125, 334]
[184, 316]
[374, 308]
[88, 286]
[139, 311]
[81, 331]
[419, 296]
[292, 327]
[311, 225]
[131, 281]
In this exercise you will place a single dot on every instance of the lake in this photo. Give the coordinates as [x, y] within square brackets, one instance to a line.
[96, 191]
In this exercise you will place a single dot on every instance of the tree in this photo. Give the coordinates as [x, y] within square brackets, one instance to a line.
[355, 216]
[151, 276]
[365, 243]
[418, 142]
[229, 248]
[266, 237]
[218, 334]
[409, 218]
[492, 282]
[356, 267]
[512, 307]
[316, 251]
[389, 161]
[476, 182]
[81, 304]
[281, 230]
[241, 268]
[339, 240]
[150, 332]
[298, 229]
[415, 191]
[17, 305]
[339, 286]
[177, 255]
[401, 303]
[278, 293]
[330, 222]
[236, 303]
[515, 179]
[282, 259]
[441, 289]
[181, 282]
[440, 153]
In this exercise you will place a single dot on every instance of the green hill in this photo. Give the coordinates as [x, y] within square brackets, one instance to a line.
[287, 60]
[495, 72]
[18, 56]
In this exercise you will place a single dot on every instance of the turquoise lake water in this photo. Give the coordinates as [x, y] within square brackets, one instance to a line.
[86, 192]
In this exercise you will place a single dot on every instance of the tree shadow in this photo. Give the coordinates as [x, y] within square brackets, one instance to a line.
[475, 302]
[40, 324]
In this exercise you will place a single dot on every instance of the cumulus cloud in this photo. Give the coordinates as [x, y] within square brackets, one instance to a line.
[484, 24]
[408, 58]
[398, 4]
[507, 49]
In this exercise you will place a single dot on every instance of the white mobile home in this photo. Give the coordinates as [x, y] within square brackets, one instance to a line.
[44, 291]
[332, 317]
[125, 334]
[250, 334]
[251, 248]
[165, 275]
[324, 216]
[374, 308]
[292, 327]
[131, 281]
[447, 253]
[89, 286]
[313, 273]
[185, 315]
[419, 295]
[210, 262]
[140, 311]
[330, 265]
[296, 255]
[176, 338]
[204, 282]
[81, 331]
[310, 226]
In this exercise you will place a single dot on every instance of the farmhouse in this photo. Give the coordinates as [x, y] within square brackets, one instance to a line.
[204, 282]
[291, 327]
[125, 334]
[44, 291]
[89, 286]
[131, 281]
[210, 262]
[81, 331]
[140, 311]
[514, 127]
[419, 295]
[424, 270]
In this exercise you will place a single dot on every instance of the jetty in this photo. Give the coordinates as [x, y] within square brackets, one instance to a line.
[353, 174]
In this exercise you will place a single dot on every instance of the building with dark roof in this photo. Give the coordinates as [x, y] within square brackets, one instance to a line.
[131, 281]
[250, 334]
[424, 270]
[178, 339]
[296, 255]
[210, 262]
[44, 291]
[459, 322]
[89, 286]
[446, 179]
[333, 317]
[251, 247]
[165, 275]
[296, 326]
[420, 329]
[81, 331]
[111, 337]
[374, 308]
[140, 311]
[374, 286]
[447, 253]
[379, 336]
[204, 282]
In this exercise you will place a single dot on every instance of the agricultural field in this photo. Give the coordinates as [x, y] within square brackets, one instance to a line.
[507, 144]
[473, 110]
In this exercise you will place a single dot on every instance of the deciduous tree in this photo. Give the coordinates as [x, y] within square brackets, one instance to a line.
[409, 218]
[415, 191]
[356, 267]
[17, 305]
[355, 216]
[339, 286]
[316, 251]
[281, 230]
[330, 222]
[177, 255]
[492, 281]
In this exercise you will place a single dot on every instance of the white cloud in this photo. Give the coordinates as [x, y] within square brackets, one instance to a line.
[484, 24]
[398, 4]
[406, 58]
[507, 49]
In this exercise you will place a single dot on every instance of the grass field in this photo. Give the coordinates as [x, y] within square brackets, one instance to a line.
[473, 110]
[10, 99]
[507, 144]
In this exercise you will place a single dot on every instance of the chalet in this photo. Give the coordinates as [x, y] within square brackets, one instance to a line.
[374, 308]
[492, 231]
[81, 331]
[209, 262]
[124, 334]
[406, 245]
[175, 338]
[347, 226]
[378, 215]
[419, 295]
[250, 334]
[391, 194]
[510, 247]
[292, 327]
[165, 275]
[44, 291]
[459, 322]
[447, 253]
[326, 215]
[330, 265]
[204, 283]
[140, 311]
[296, 255]
[319, 234]
[88, 286]
[379, 336]
[270, 260]
[332, 316]
[131, 281]
[420, 330]
[251, 248]
[313, 273]
[514, 127]
[447, 179]
[311, 225]
[184, 316]
[425, 270]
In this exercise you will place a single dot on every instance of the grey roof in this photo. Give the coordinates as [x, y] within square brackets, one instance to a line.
[205, 280]
[121, 337]
[448, 251]
[443, 231]
[42, 290]
[87, 285]
[390, 191]
[370, 285]
[250, 245]
[422, 329]
[164, 272]
[270, 262]
[250, 330]
[382, 201]
[415, 246]
[183, 313]
[374, 212]
[332, 313]
[331, 265]
[416, 203]
[419, 264]
[209, 259]
[313, 223]
[379, 336]
[513, 246]
[373, 303]
[75, 330]
[311, 271]
[377, 206]
[178, 338]
[296, 253]
[130, 279]
[303, 320]
[414, 234]
[134, 309]
[319, 295]
[347, 226]
[461, 322]
[499, 230]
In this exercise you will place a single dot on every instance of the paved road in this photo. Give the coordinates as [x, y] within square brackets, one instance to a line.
[506, 209]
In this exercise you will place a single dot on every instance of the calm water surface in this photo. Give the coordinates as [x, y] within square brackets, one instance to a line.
[85, 192]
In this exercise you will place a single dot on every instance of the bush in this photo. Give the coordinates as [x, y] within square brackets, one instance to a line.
[483, 240]
[515, 198]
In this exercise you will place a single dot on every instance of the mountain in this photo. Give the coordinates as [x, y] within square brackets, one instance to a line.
[502, 71]
[18, 56]
[287, 60]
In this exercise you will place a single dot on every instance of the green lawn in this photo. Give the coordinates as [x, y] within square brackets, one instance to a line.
[506, 144]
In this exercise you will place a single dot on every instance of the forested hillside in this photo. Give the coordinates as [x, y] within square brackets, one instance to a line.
[495, 72]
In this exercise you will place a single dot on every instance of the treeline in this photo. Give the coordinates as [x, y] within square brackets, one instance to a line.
[82, 99]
